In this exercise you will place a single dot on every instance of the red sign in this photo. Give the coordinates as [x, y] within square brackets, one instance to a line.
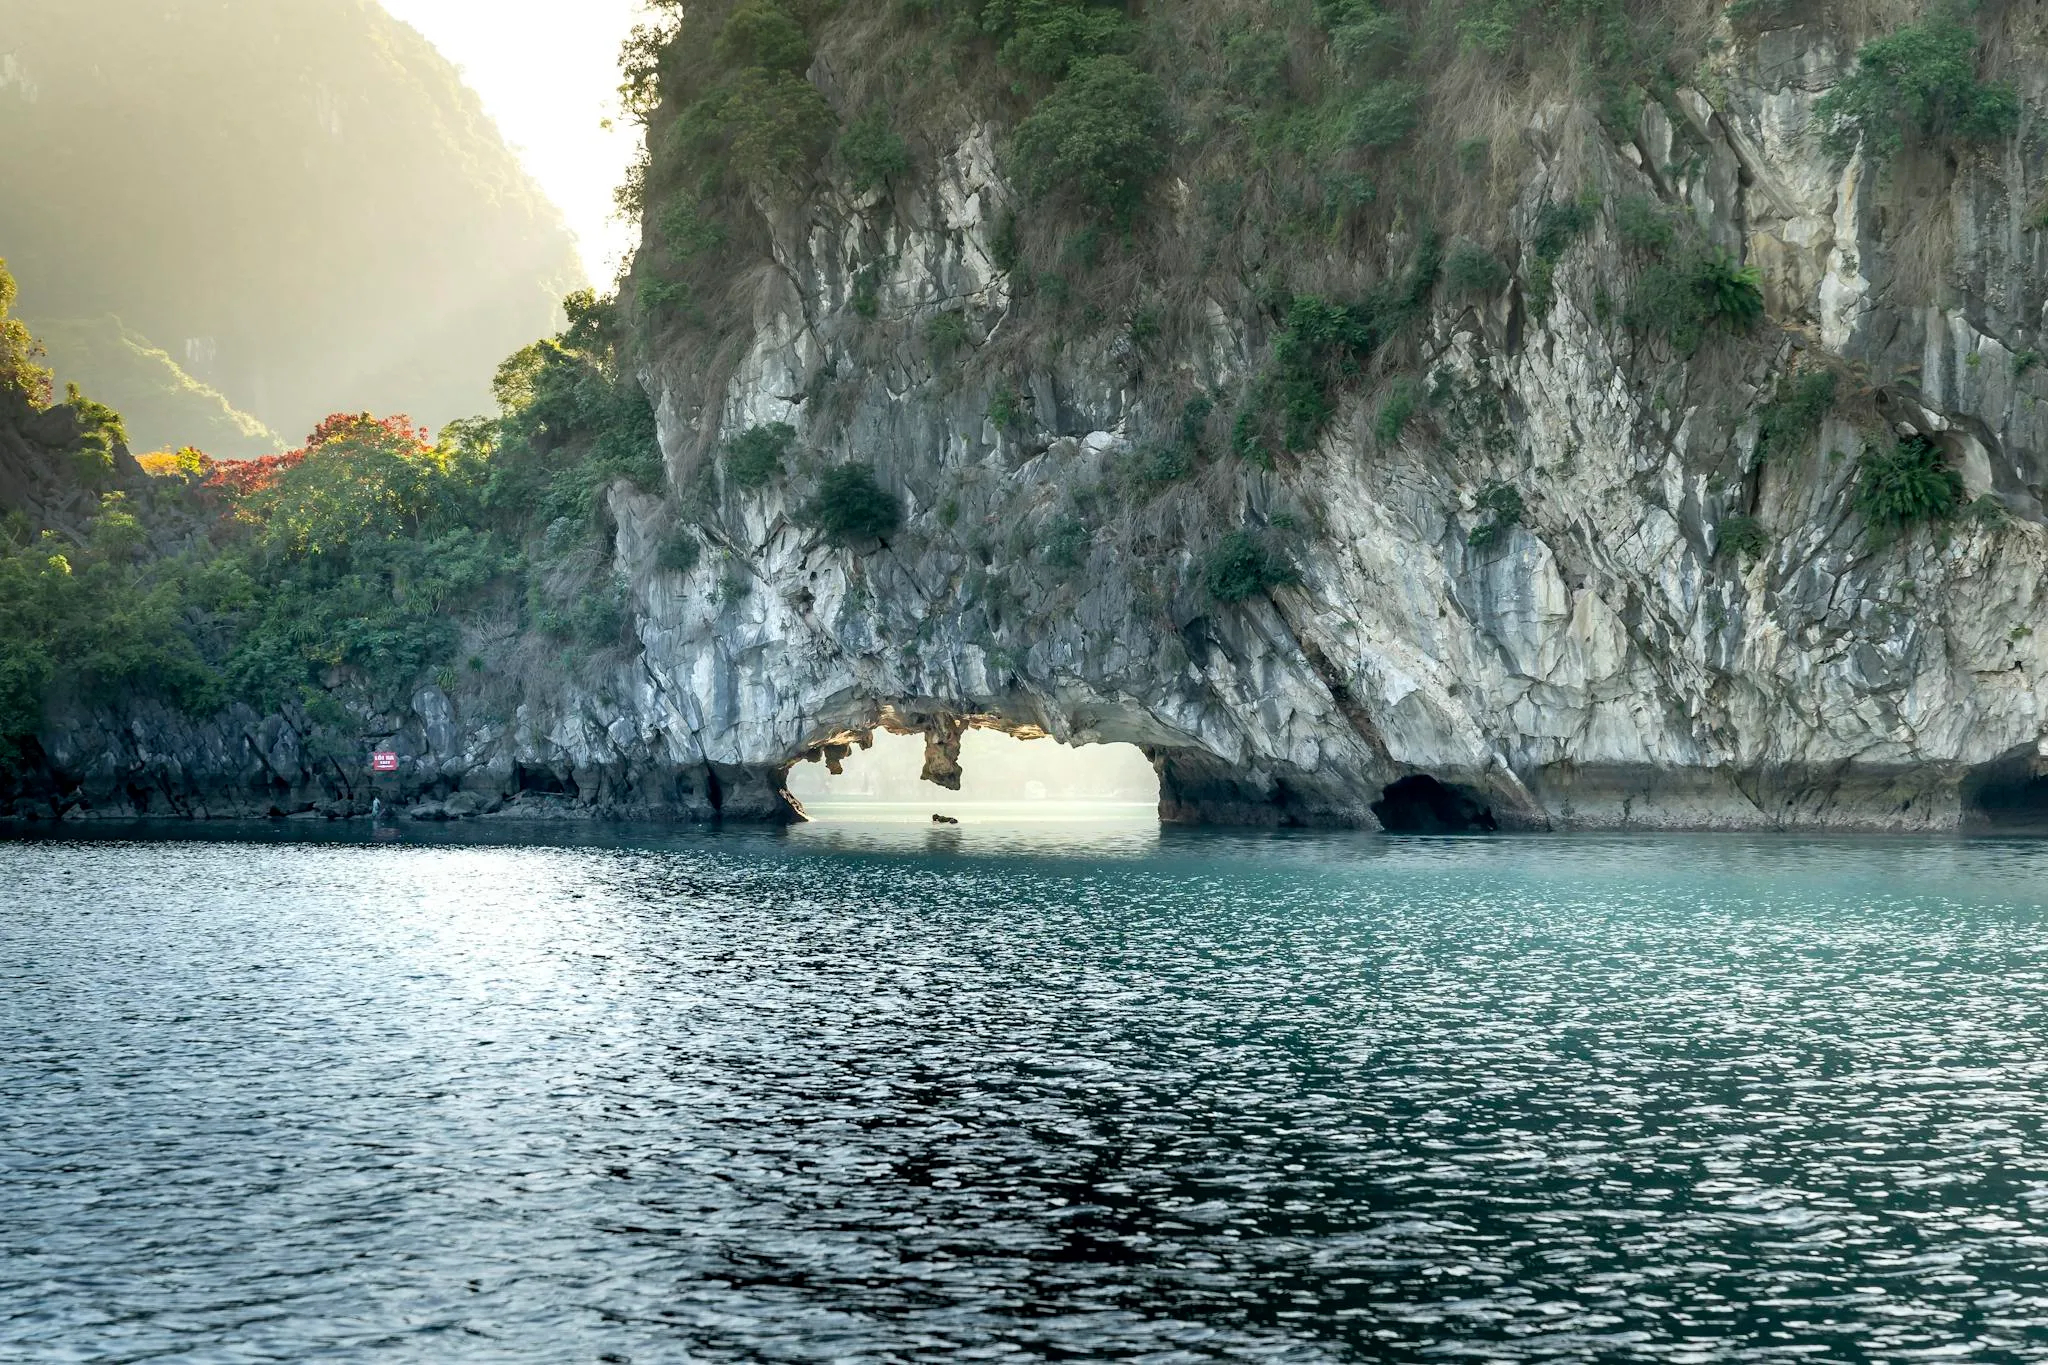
[383, 761]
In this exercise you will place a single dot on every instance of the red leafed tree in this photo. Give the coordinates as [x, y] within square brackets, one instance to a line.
[337, 434]
[357, 477]
[239, 478]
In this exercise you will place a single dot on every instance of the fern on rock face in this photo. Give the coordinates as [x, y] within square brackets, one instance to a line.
[1899, 486]
[1686, 299]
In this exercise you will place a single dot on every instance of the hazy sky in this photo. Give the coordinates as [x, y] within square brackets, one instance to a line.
[548, 72]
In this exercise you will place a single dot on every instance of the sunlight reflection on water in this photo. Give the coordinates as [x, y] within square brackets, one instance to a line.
[889, 1093]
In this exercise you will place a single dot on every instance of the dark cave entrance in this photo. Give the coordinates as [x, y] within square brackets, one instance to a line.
[2007, 797]
[541, 781]
[1419, 804]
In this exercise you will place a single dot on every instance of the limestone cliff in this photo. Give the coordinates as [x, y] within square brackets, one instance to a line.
[1595, 658]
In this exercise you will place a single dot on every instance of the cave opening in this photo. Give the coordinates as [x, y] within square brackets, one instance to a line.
[2007, 797]
[1419, 804]
[1000, 776]
[541, 781]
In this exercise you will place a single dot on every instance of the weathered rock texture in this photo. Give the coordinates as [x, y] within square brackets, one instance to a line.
[1600, 666]
[41, 466]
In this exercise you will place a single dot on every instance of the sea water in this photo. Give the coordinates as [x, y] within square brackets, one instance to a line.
[1078, 1092]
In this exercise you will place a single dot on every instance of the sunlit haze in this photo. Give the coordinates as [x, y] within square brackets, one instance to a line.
[1037, 778]
[548, 73]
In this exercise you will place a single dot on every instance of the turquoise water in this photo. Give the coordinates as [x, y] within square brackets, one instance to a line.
[984, 1093]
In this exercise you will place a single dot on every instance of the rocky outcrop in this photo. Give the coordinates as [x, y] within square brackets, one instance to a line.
[1601, 663]
[47, 478]
[1598, 666]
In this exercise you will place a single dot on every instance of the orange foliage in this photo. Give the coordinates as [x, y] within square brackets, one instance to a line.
[184, 463]
[241, 478]
[361, 426]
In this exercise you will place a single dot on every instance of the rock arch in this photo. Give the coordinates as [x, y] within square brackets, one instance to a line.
[1197, 785]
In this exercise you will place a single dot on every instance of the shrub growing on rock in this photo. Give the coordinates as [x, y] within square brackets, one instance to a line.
[1558, 225]
[1401, 402]
[595, 617]
[19, 372]
[1364, 36]
[1643, 223]
[1241, 566]
[1066, 542]
[1741, 537]
[1099, 138]
[1897, 486]
[687, 230]
[1005, 408]
[779, 125]
[1151, 467]
[851, 506]
[873, 151]
[867, 290]
[680, 551]
[1322, 342]
[765, 129]
[90, 618]
[1795, 414]
[1503, 506]
[754, 457]
[1255, 64]
[946, 334]
[99, 430]
[572, 423]
[1472, 269]
[1048, 37]
[1920, 82]
[762, 33]
[1384, 114]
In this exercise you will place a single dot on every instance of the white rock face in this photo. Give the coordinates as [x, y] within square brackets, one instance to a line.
[1599, 665]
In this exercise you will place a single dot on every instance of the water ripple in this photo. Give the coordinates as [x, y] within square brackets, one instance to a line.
[879, 1097]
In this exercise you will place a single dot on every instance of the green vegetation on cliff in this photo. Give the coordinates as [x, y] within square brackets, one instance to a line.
[339, 575]
[1918, 84]
[20, 375]
[1327, 173]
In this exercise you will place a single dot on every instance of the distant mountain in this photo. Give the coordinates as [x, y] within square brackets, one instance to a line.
[161, 405]
[297, 200]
